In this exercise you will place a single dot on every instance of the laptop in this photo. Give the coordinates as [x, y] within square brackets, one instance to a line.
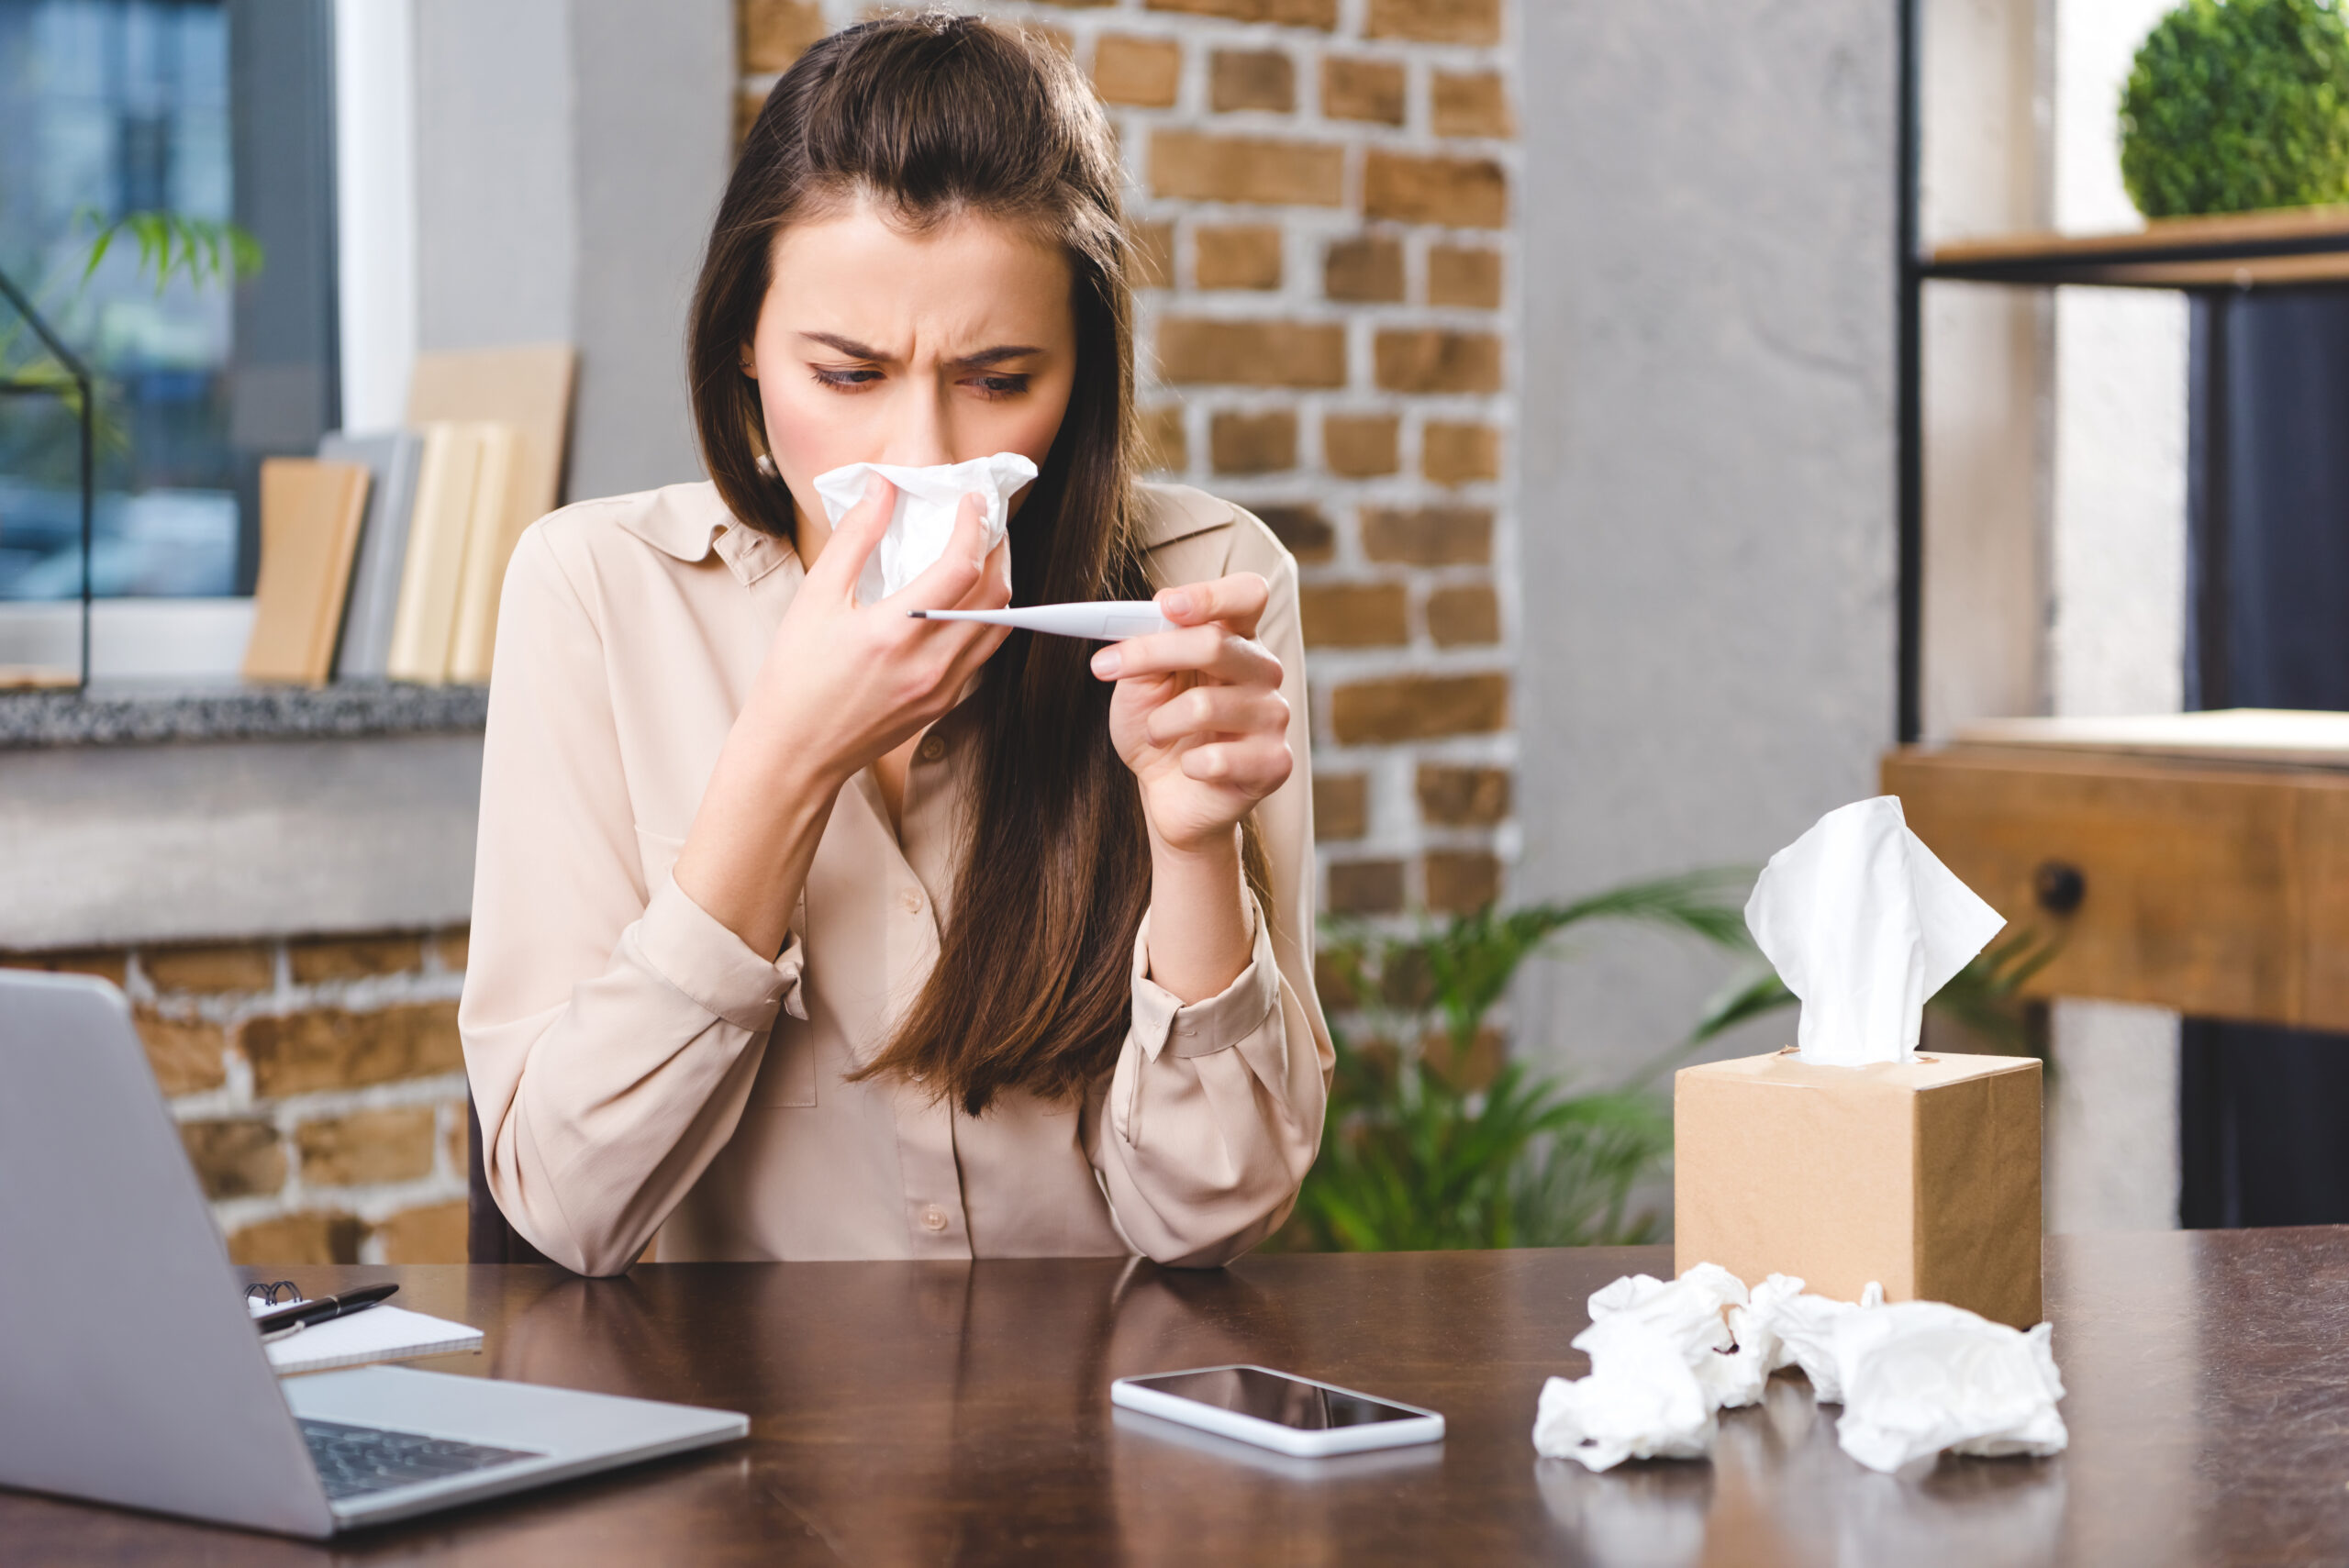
[131, 1371]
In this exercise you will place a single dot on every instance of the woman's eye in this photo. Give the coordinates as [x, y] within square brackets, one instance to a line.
[999, 385]
[844, 378]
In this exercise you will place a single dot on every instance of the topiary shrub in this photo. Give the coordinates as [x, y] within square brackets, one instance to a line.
[2234, 105]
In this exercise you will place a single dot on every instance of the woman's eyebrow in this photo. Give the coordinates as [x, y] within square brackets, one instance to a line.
[849, 346]
[997, 354]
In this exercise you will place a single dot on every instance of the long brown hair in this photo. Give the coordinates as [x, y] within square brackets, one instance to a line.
[930, 117]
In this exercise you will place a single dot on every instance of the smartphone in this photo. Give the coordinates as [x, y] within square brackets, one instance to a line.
[1277, 1410]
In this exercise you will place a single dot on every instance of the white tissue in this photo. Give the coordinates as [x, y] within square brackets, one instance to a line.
[1914, 1378]
[928, 499]
[1663, 1357]
[1800, 1329]
[1863, 924]
[1640, 1401]
[1921, 1376]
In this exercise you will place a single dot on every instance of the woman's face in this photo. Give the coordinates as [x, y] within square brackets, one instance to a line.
[879, 345]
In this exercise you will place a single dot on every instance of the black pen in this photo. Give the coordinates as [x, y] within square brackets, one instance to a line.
[305, 1312]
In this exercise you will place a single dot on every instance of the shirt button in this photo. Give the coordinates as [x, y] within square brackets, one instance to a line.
[911, 899]
[933, 1218]
[930, 750]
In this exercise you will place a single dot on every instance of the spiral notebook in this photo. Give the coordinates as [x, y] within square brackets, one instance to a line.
[378, 1334]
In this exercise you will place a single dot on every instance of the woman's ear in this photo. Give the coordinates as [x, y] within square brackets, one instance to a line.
[749, 364]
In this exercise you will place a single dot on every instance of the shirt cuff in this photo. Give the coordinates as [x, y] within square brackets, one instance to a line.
[1163, 1023]
[696, 953]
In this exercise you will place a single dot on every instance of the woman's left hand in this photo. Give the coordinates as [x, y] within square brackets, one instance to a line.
[1198, 714]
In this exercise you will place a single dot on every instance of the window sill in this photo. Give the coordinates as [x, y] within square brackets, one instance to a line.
[127, 713]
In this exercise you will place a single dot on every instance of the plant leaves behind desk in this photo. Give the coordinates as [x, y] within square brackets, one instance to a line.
[1434, 1142]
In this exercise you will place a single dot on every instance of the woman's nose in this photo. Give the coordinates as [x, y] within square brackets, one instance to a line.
[918, 434]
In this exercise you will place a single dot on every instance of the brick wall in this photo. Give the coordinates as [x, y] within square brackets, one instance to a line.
[319, 1086]
[1323, 191]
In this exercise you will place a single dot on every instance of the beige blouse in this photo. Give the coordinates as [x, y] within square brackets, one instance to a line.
[638, 1069]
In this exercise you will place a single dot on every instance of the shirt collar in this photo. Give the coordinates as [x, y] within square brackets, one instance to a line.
[689, 521]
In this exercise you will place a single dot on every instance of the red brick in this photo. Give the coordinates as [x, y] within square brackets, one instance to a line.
[1460, 881]
[1303, 531]
[1366, 888]
[1474, 105]
[1333, 978]
[456, 1143]
[1470, 277]
[1458, 193]
[354, 957]
[1245, 256]
[1467, 1071]
[308, 1238]
[1367, 271]
[452, 947]
[776, 32]
[367, 1147]
[188, 1054]
[1464, 616]
[1252, 443]
[1252, 354]
[239, 966]
[1321, 14]
[1153, 250]
[1142, 72]
[1341, 807]
[1430, 535]
[1434, 360]
[1353, 614]
[327, 1047]
[431, 1235]
[1418, 707]
[1437, 21]
[1459, 454]
[236, 1158]
[1463, 797]
[1251, 79]
[106, 963]
[1164, 447]
[1359, 446]
[747, 106]
[1194, 166]
[1370, 90]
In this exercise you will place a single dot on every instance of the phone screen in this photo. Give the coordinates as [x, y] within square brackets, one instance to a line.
[1269, 1396]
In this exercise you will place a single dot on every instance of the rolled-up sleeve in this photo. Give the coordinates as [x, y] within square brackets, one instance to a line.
[611, 1026]
[1212, 1115]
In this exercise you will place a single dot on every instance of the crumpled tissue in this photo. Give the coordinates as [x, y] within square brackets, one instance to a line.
[1922, 1376]
[1663, 1357]
[1863, 923]
[1914, 1378]
[928, 499]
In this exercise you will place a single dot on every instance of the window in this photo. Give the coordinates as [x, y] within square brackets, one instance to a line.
[211, 109]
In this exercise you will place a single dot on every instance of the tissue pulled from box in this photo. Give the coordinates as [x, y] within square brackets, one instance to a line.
[1863, 924]
[1914, 1378]
[1921, 1376]
[923, 519]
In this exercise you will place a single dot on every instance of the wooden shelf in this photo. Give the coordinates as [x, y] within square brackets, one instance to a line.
[2300, 245]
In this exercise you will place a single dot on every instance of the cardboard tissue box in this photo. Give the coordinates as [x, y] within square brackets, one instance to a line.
[1854, 1159]
[1921, 1174]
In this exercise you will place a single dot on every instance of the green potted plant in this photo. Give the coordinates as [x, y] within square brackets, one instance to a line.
[2237, 105]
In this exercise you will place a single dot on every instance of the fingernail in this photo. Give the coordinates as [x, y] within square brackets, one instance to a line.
[1107, 662]
[1174, 602]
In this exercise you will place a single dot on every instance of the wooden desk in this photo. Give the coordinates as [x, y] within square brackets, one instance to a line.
[914, 1413]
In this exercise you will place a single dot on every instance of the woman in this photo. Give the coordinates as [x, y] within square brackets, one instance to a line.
[803, 929]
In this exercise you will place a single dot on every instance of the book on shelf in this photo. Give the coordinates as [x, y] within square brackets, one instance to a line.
[447, 485]
[393, 457]
[500, 517]
[310, 516]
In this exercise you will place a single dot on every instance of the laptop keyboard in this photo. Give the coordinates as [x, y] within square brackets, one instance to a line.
[356, 1461]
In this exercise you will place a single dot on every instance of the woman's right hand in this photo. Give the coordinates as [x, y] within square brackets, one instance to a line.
[842, 684]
